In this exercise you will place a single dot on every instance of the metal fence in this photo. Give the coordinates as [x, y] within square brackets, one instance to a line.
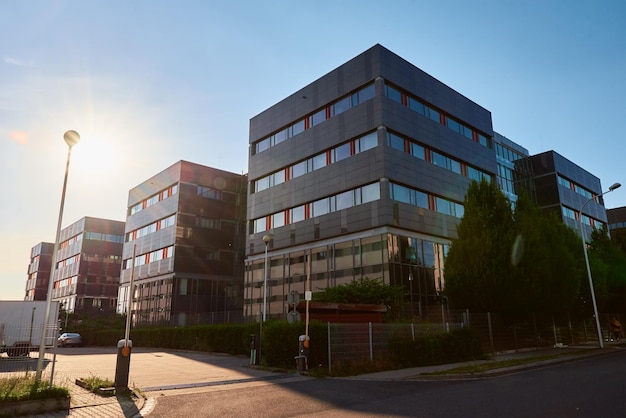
[370, 341]
[19, 351]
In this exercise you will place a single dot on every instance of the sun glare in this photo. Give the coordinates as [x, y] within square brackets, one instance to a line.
[96, 155]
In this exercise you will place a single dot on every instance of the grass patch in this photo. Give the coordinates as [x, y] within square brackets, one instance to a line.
[500, 364]
[15, 389]
[93, 383]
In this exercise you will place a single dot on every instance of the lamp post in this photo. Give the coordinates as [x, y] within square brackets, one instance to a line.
[411, 290]
[266, 240]
[71, 138]
[582, 235]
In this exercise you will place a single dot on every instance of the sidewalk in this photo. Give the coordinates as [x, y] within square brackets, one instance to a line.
[85, 404]
[543, 356]
[201, 375]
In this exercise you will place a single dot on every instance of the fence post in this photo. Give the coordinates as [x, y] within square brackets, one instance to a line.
[413, 331]
[330, 367]
[556, 341]
[571, 330]
[371, 343]
[493, 350]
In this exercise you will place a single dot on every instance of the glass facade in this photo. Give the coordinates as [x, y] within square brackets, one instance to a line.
[402, 260]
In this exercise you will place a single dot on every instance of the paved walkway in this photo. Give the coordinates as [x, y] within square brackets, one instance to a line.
[180, 372]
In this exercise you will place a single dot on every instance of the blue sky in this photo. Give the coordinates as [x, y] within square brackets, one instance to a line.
[149, 83]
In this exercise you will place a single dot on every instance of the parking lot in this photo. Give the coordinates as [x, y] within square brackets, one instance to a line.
[149, 368]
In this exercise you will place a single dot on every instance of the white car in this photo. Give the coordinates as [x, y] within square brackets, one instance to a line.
[70, 339]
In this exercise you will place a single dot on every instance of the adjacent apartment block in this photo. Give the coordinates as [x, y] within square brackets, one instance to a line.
[564, 188]
[88, 265]
[360, 174]
[39, 271]
[185, 233]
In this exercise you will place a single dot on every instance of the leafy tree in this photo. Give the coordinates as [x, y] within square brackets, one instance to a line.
[608, 266]
[478, 267]
[546, 266]
[512, 262]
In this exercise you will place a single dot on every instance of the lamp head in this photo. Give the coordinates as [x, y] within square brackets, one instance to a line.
[615, 186]
[266, 239]
[71, 138]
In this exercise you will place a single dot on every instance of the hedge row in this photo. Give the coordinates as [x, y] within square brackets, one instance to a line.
[280, 342]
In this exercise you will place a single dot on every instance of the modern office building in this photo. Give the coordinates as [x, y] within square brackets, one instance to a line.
[185, 232]
[39, 271]
[616, 219]
[514, 169]
[563, 188]
[88, 264]
[362, 173]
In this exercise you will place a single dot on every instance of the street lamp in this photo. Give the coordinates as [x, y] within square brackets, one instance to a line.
[71, 138]
[266, 240]
[582, 235]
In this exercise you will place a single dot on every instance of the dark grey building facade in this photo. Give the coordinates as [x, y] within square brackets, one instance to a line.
[185, 227]
[88, 264]
[360, 174]
[39, 267]
[563, 188]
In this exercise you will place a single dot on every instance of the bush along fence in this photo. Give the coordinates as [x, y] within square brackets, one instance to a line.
[498, 333]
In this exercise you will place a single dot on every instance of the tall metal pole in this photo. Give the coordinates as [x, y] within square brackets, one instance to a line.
[71, 138]
[266, 240]
[130, 296]
[593, 293]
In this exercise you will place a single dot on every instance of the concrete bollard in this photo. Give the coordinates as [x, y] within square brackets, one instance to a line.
[122, 366]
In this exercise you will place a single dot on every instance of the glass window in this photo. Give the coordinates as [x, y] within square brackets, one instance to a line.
[467, 132]
[297, 127]
[319, 161]
[396, 142]
[318, 117]
[455, 166]
[370, 193]
[417, 106]
[320, 207]
[438, 159]
[278, 219]
[454, 125]
[368, 141]
[262, 184]
[279, 177]
[345, 200]
[421, 199]
[281, 136]
[443, 206]
[394, 94]
[433, 115]
[366, 93]
[417, 151]
[482, 139]
[262, 145]
[400, 193]
[341, 106]
[259, 225]
[342, 152]
[297, 214]
[298, 169]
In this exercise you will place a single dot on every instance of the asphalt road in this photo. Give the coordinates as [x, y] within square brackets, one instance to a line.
[589, 387]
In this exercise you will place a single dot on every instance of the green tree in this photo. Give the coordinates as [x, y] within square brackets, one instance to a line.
[608, 265]
[546, 267]
[478, 268]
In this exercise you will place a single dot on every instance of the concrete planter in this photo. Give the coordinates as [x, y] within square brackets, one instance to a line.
[36, 406]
